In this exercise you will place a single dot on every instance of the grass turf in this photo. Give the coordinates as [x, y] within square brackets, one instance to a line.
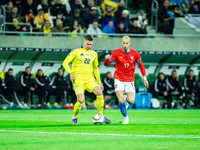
[52, 129]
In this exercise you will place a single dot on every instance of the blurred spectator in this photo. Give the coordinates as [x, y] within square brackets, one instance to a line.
[64, 2]
[29, 5]
[194, 9]
[44, 5]
[89, 7]
[166, 17]
[134, 29]
[189, 85]
[197, 91]
[104, 20]
[178, 8]
[173, 87]
[89, 18]
[63, 18]
[9, 8]
[94, 29]
[29, 18]
[58, 27]
[11, 87]
[42, 86]
[160, 88]
[41, 18]
[76, 17]
[28, 86]
[57, 8]
[14, 18]
[109, 28]
[59, 86]
[125, 19]
[143, 21]
[109, 5]
[109, 89]
[76, 4]
[46, 28]
[121, 7]
[121, 28]
[76, 28]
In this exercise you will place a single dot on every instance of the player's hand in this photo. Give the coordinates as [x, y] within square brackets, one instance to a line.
[72, 76]
[102, 88]
[107, 57]
[146, 84]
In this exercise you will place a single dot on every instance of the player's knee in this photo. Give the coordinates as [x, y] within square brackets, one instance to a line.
[131, 101]
[80, 100]
[98, 93]
[121, 100]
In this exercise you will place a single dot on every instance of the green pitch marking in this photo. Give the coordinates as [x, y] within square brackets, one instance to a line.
[53, 129]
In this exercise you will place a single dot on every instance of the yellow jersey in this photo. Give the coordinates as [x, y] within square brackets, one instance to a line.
[85, 64]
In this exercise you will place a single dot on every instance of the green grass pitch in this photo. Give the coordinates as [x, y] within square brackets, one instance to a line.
[53, 129]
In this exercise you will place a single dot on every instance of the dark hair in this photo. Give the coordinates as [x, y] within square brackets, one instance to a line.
[60, 69]
[10, 69]
[121, 22]
[39, 70]
[190, 71]
[108, 73]
[174, 71]
[28, 67]
[160, 74]
[89, 37]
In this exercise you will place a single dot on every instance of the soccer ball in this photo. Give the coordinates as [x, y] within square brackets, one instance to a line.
[98, 119]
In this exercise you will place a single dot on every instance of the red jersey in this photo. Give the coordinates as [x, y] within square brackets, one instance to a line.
[125, 64]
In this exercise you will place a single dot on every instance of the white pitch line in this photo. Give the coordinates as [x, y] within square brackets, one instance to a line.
[105, 134]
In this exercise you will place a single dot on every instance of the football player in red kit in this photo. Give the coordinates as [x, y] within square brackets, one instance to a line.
[124, 74]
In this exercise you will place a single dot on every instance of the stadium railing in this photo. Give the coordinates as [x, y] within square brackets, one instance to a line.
[154, 12]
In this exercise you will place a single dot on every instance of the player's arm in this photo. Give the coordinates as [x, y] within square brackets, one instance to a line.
[96, 69]
[66, 62]
[142, 69]
[109, 59]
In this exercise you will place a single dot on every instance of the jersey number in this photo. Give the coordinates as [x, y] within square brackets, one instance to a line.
[126, 65]
[87, 61]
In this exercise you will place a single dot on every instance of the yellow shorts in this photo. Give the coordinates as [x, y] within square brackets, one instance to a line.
[84, 84]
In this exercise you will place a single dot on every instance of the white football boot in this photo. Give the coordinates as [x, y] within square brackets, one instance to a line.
[126, 120]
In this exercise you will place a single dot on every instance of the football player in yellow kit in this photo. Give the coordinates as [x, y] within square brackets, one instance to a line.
[84, 68]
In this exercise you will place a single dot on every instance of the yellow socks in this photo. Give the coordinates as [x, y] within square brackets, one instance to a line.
[100, 104]
[77, 108]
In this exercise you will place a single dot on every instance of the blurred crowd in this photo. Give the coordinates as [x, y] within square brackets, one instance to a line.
[93, 16]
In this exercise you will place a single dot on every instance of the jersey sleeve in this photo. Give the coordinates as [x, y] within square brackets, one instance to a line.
[96, 69]
[68, 59]
[138, 58]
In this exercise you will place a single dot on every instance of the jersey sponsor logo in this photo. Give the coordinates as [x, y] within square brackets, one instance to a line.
[82, 54]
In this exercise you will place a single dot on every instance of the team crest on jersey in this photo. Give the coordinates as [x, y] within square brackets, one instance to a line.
[87, 54]
[132, 57]
[82, 54]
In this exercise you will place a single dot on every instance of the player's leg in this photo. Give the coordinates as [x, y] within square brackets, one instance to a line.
[93, 86]
[130, 92]
[80, 100]
[100, 101]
